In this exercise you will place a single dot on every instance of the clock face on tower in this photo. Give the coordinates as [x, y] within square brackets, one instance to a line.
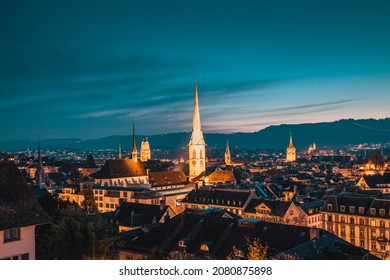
[194, 162]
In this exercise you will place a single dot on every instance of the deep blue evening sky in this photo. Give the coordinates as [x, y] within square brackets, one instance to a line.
[71, 69]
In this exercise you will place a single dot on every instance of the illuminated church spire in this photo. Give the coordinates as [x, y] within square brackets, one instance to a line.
[134, 153]
[119, 152]
[40, 172]
[197, 146]
[227, 153]
[291, 152]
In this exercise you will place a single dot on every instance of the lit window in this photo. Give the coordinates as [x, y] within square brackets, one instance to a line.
[182, 243]
[381, 212]
[204, 247]
[12, 234]
[361, 221]
[239, 254]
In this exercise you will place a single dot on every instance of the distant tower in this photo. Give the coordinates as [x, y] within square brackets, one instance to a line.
[145, 150]
[119, 152]
[40, 172]
[314, 146]
[197, 146]
[227, 153]
[134, 152]
[291, 152]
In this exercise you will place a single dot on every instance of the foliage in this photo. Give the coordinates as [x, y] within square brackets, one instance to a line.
[255, 251]
[285, 256]
[73, 235]
[89, 203]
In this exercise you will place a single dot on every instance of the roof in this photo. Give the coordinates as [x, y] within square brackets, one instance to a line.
[374, 180]
[143, 213]
[218, 197]
[329, 247]
[278, 208]
[121, 168]
[359, 201]
[222, 234]
[221, 176]
[312, 205]
[166, 178]
[18, 206]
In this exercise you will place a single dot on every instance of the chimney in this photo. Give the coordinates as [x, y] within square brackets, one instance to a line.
[314, 233]
[132, 218]
[162, 203]
[196, 186]
[167, 217]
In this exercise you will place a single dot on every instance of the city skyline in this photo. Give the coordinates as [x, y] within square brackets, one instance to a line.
[68, 69]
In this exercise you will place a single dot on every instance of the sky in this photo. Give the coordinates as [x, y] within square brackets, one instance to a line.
[85, 69]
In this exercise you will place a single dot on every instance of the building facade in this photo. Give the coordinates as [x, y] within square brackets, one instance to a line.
[361, 220]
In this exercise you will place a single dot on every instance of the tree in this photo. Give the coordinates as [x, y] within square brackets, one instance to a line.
[89, 203]
[75, 235]
[255, 251]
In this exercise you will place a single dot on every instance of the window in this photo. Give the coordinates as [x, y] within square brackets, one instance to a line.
[361, 221]
[352, 221]
[12, 234]
[373, 246]
[352, 209]
[361, 210]
[383, 247]
[373, 234]
[342, 219]
[381, 212]
[182, 243]
[239, 254]
[382, 223]
[329, 218]
[352, 232]
[204, 247]
[342, 208]
[353, 241]
[193, 154]
[362, 243]
[25, 256]
[372, 211]
[361, 232]
[129, 258]
[329, 207]
[342, 231]
[373, 223]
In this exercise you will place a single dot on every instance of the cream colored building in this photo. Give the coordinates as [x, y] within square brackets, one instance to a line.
[20, 213]
[361, 220]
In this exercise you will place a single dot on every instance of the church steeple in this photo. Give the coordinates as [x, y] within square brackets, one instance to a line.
[40, 172]
[227, 153]
[134, 153]
[119, 152]
[197, 146]
[291, 141]
[291, 152]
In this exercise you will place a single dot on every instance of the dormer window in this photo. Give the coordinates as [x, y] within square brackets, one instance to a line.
[182, 244]
[342, 208]
[329, 207]
[361, 210]
[382, 212]
[239, 254]
[372, 211]
[352, 209]
[204, 247]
